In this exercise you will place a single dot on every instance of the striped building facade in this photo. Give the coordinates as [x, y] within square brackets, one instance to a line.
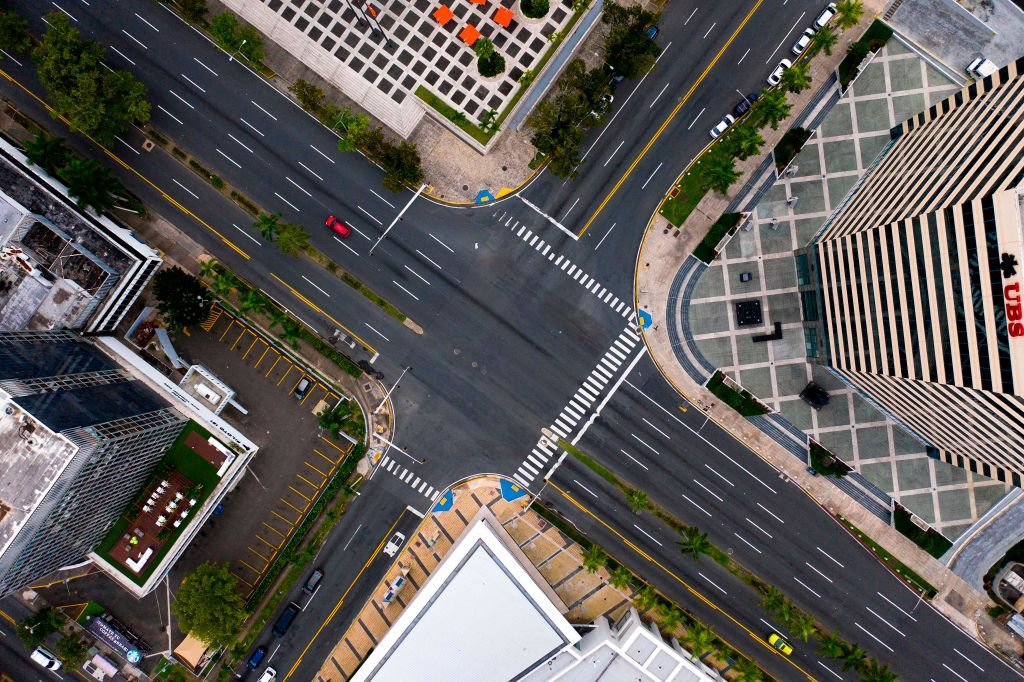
[919, 276]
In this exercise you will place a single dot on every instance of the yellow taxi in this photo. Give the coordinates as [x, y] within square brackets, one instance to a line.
[780, 643]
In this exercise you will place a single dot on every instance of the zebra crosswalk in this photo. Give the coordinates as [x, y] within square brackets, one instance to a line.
[575, 411]
[407, 476]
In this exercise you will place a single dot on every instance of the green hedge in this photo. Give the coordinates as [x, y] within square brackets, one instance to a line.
[789, 146]
[727, 224]
[874, 38]
[930, 540]
[824, 462]
[741, 401]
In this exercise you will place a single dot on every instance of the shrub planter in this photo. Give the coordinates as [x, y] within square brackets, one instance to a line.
[522, 6]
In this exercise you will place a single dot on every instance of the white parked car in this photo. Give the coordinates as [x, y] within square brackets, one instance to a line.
[45, 658]
[394, 544]
[777, 73]
[722, 126]
[826, 15]
[269, 675]
[800, 45]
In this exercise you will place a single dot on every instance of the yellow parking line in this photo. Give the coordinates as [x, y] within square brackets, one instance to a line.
[292, 505]
[310, 394]
[333, 397]
[244, 332]
[265, 542]
[247, 350]
[290, 523]
[296, 385]
[273, 365]
[265, 351]
[290, 368]
[265, 559]
[320, 310]
[344, 452]
[308, 481]
[297, 492]
[241, 578]
[228, 329]
[333, 463]
[273, 529]
[250, 567]
[314, 468]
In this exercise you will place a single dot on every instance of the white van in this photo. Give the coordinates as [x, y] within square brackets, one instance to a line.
[45, 658]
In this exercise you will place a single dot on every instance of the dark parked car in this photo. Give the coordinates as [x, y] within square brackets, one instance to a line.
[284, 621]
[313, 583]
[746, 103]
[256, 658]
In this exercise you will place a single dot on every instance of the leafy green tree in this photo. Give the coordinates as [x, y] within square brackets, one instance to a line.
[717, 170]
[824, 40]
[223, 283]
[356, 127]
[14, 35]
[209, 604]
[670, 616]
[797, 77]
[289, 332]
[34, 630]
[849, 13]
[745, 670]
[831, 645]
[489, 62]
[559, 123]
[252, 301]
[310, 96]
[48, 152]
[594, 558]
[621, 578]
[873, 671]
[193, 10]
[97, 101]
[292, 239]
[699, 639]
[402, 166]
[628, 50]
[535, 9]
[744, 140]
[645, 598]
[236, 36]
[91, 184]
[346, 416]
[71, 650]
[181, 298]
[695, 543]
[637, 500]
[772, 108]
[853, 657]
[268, 224]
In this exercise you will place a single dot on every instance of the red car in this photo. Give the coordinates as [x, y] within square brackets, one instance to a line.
[341, 228]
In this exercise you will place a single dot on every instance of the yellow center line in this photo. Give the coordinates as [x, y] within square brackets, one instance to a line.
[337, 607]
[320, 310]
[682, 582]
[671, 116]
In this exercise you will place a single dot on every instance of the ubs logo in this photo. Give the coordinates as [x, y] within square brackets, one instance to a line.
[1011, 296]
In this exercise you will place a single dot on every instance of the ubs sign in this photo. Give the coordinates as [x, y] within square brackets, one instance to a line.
[1011, 296]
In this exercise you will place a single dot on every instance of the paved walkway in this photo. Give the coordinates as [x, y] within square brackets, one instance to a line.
[660, 260]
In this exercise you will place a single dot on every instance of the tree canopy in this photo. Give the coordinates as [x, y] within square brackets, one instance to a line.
[209, 605]
[236, 36]
[14, 36]
[628, 50]
[91, 184]
[181, 298]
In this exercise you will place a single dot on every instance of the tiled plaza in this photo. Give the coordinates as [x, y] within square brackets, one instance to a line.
[895, 85]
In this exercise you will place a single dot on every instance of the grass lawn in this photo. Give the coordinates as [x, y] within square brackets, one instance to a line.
[741, 401]
[180, 457]
[91, 609]
[678, 208]
[916, 581]
[474, 131]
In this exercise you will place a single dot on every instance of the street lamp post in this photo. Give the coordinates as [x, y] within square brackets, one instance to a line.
[393, 387]
[390, 444]
[749, 103]
[240, 46]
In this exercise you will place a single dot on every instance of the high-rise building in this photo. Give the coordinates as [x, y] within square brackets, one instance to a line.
[918, 275]
[79, 434]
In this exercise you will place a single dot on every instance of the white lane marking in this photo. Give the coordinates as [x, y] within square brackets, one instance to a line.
[429, 260]
[954, 672]
[143, 20]
[605, 236]
[311, 171]
[743, 57]
[712, 582]
[441, 242]
[896, 607]
[382, 199]
[810, 566]
[130, 36]
[246, 234]
[708, 490]
[634, 459]
[644, 186]
[301, 188]
[205, 66]
[197, 86]
[346, 246]
[655, 100]
[648, 535]
[807, 587]
[536, 209]
[772, 55]
[570, 208]
[107, 67]
[586, 488]
[251, 126]
[123, 55]
[868, 633]
[377, 332]
[182, 99]
[712, 470]
[417, 274]
[758, 527]
[8, 55]
[345, 548]
[316, 287]
[296, 208]
[614, 153]
[690, 17]
[64, 11]
[695, 118]
[667, 437]
[118, 138]
[263, 110]
[229, 158]
[710, 30]
[829, 556]
[240, 142]
[184, 188]
[770, 512]
[680, 421]
[695, 504]
[170, 114]
[747, 542]
[372, 217]
[875, 614]
[645, 444]
[321, 153]
[359, 232]
[830, 670]
[405, 290]
[968, 660]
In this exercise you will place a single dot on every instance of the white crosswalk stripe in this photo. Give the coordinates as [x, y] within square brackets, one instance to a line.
[407, 476]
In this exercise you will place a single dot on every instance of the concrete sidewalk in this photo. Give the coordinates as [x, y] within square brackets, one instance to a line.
[662, 255]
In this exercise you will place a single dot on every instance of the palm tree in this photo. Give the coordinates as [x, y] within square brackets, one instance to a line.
[277, 317]
[645, 598]
[832, 645]
[772, 108]
[252, 300]
[772, 600]
[292, 239]
[208, 268]
[699, 639]
[621, 578]
[696, 543]
[744, 141]
[92, 185]
[223, 283]
[746, 671]
[332, 420]
[797, 77]
[290, 332]
[268, 225]
[48, 152]
[718, 171]
[802, 625]
[873, 671]
[853, 657]
[637, 500]
[670, 615]
[593, 559]
[849, 13]
[824, 40]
